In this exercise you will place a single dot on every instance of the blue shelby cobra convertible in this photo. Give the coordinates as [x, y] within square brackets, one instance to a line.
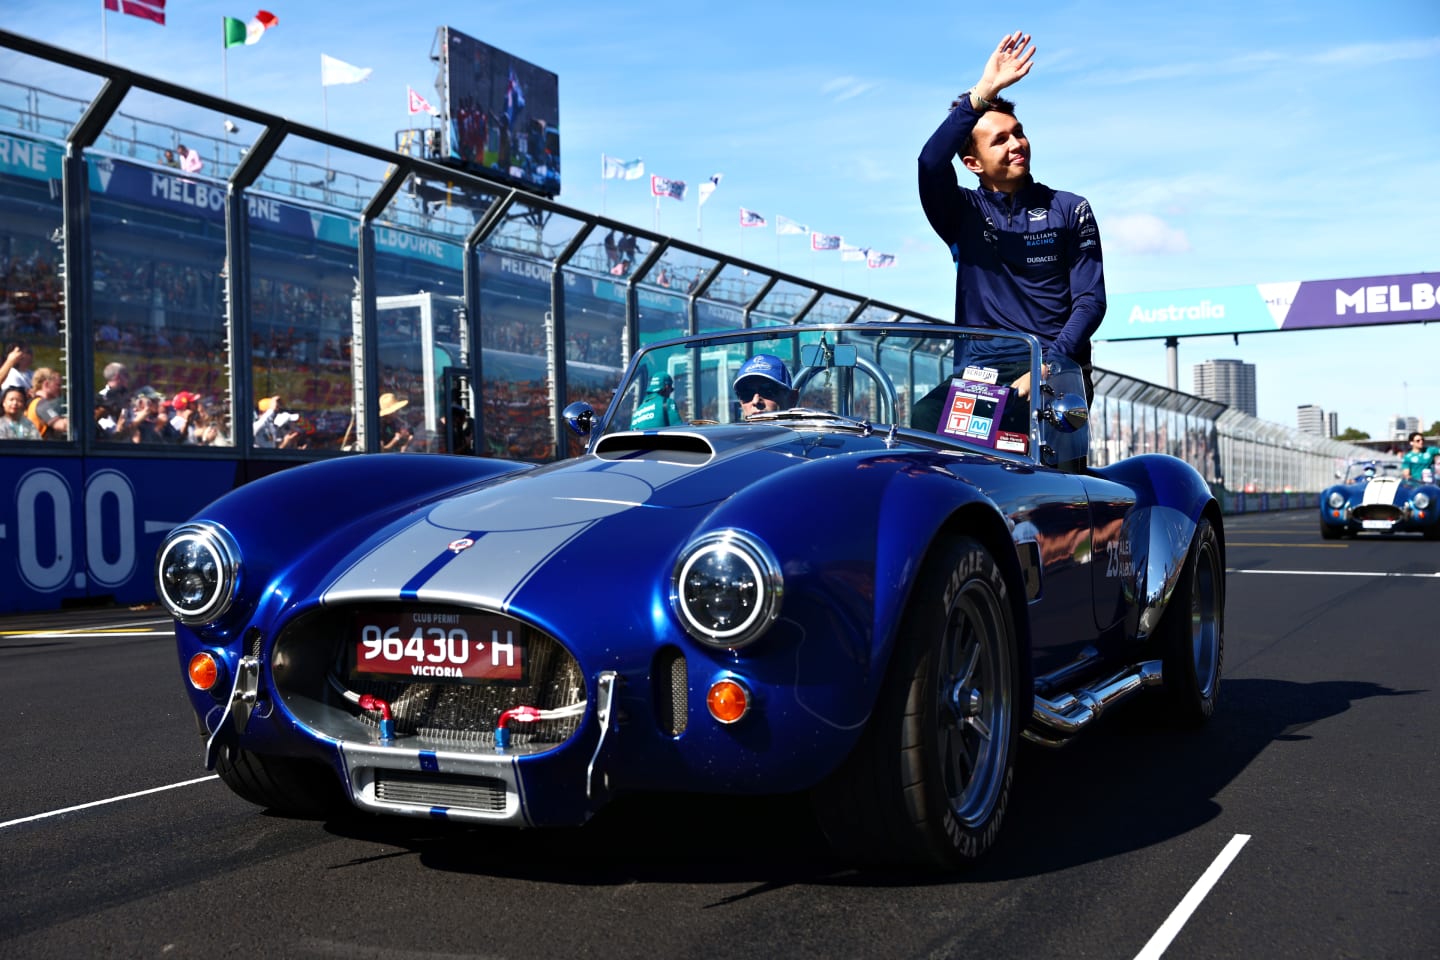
[869, 583]
[1377, 497]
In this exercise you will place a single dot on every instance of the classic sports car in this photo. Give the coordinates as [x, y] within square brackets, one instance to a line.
[869, 588]
[1377, 497]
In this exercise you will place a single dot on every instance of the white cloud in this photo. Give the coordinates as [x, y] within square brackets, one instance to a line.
[1364, 54]
[847, 88]
[1144, 233]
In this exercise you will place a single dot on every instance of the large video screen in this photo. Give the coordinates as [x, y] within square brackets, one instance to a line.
[502, 113]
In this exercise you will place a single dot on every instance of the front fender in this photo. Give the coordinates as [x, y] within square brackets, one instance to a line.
[1170, 499]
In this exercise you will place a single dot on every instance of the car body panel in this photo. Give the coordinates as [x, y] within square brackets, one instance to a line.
[581, 556]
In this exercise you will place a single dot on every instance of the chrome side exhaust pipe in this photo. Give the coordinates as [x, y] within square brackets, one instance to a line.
[1054, 722]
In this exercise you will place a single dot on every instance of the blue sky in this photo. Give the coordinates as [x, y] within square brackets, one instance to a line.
[1220, 143]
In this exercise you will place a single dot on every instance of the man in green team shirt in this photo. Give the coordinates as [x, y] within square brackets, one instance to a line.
[658, 409]
[1418, 458]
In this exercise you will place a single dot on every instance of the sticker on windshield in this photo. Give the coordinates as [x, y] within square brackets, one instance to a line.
[981, 374]
[972, 409]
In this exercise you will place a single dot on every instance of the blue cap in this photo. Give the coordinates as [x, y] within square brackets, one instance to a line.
[767, 366]
[660, 382]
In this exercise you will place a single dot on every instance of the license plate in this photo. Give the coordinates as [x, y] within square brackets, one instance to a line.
[1377, 524]
[460, 647]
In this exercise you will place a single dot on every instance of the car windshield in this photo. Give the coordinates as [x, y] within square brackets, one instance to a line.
[1369, 469]
[937, 379]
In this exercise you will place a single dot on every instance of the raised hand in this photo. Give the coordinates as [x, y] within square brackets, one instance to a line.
[1010, 62]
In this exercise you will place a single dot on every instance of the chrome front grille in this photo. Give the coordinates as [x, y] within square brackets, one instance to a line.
[486, 794]
[311, 662]
[1378, 511]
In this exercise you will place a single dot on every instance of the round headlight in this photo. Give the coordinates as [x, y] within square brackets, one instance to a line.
[727, 588]
[1337, 499]
[1421, 500]
[196, 572]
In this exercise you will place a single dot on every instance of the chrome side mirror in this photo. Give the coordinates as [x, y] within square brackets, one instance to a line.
[1068, 413]
[579, 417]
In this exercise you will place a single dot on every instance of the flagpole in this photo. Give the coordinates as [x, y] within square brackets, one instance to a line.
[104, 34]
[657, 214]
[325, 106]
[225, 73]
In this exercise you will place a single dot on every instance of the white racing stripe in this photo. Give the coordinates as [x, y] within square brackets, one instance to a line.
[101, 803]
[1168, 930]
[1339, 573]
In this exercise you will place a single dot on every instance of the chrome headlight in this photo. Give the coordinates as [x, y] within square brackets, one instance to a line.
[727, 588]
[1421, 500]
[197, 571]
[1337, 499]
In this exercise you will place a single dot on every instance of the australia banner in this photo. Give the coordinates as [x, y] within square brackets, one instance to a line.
[1291, 305]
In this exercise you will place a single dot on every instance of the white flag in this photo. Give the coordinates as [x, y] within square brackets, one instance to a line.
[784, 225]
[708, 187]
[612, 168]
[334, 71]
[848, 251]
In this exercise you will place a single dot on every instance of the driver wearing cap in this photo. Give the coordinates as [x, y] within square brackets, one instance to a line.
[763, 385]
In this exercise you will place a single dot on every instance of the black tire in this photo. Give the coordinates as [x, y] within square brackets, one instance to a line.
[1328, 532]
[287, 785]
[1192, 633]
[929, 782]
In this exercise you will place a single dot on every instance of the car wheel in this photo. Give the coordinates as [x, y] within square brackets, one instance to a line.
[1328, 532]
[284, 784]
[930, 779]
[1192, 637]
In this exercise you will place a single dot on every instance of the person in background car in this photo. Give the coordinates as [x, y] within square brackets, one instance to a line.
[1419, 458]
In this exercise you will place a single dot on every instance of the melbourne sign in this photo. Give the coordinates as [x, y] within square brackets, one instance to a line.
[1296, 305]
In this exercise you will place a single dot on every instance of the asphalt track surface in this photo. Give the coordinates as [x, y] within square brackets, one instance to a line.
[1302, 822]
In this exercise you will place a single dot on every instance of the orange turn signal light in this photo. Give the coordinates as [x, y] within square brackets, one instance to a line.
[203, 670]
[728, 700]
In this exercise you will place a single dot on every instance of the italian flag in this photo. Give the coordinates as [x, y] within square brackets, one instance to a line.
[238, 32]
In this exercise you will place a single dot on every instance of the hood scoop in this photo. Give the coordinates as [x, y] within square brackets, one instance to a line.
[685, 449]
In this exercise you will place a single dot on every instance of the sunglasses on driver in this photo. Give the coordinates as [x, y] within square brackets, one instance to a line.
[745, 390]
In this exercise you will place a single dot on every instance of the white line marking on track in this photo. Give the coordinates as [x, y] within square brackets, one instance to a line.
[1340, 573]
[82, 634]
[1161, 940]
[101, 803]
[159, 628]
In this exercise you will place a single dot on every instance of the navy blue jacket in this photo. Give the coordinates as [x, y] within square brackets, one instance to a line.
[1028, 261]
